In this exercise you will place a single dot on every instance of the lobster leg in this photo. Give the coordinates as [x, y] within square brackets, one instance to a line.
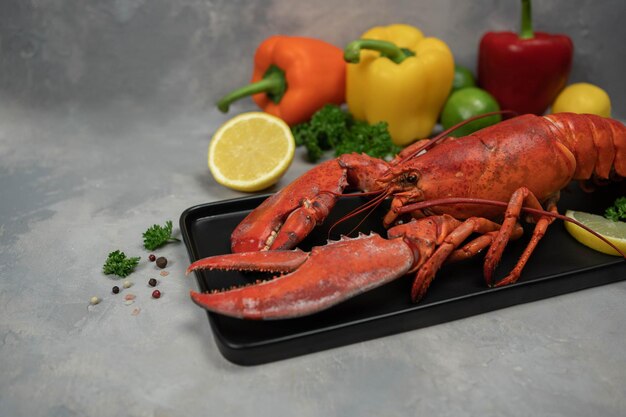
[472, 248]
[521, 197]
[538, 232]
[448, 249]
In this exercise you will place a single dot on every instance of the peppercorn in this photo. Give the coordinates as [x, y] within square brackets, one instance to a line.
[156, 294]
[115, 289]
[152, 282]
[161, 262]
[152, 258]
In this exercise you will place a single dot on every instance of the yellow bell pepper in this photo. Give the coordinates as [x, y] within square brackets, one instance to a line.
[398, 76]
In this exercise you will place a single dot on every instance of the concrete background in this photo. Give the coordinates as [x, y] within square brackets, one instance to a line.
[106, 110]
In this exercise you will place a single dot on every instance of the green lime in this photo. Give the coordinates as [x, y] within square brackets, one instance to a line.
[466, 103]
[463, 78]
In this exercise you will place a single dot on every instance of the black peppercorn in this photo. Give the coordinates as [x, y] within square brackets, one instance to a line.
[161, 262]
[115, 289]
[152, 282]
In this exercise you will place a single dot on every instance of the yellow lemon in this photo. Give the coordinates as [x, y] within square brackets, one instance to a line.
[251, 151]
[583, 98]
[614, 232]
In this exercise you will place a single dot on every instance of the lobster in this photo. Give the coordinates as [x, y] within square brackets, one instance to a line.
[450, 199]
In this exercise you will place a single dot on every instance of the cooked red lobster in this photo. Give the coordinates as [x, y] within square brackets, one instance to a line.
[463, 195]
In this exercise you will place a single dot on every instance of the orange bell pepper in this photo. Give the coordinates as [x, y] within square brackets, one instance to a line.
[294, 77]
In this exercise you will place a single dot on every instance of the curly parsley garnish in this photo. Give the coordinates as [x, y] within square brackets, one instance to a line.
[617, 211]
[157, 236]
[333, 128]
[119, 264]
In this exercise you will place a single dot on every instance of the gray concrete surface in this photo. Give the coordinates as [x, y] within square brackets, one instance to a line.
[105, 117]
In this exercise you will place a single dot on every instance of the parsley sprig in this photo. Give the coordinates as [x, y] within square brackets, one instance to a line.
[157, 236]
[119, 264]
[617, 211]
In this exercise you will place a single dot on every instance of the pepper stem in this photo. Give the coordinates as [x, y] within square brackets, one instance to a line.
[527, 21]
[273, 84]
[352, 53]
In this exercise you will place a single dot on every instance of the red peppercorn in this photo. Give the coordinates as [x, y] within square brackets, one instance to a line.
[152, 258]
[156, 294]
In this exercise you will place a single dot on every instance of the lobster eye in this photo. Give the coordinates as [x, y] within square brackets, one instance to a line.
[411, 178]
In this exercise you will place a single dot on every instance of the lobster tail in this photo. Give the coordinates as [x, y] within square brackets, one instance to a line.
[598, 144]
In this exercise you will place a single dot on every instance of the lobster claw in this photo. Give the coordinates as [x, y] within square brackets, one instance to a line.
[285, 218]
[318, 280]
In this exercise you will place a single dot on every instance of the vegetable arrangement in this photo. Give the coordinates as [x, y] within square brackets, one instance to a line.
[391, 86]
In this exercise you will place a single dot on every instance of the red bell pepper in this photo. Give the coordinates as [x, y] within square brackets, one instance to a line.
[525, 72]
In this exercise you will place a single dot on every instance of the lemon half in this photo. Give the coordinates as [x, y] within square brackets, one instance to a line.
[614, 232]
[251, 151]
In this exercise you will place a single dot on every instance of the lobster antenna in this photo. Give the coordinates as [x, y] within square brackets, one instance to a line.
[433, 141]
[359, 194]
[371, 205]
[464, 200]
[374, 204]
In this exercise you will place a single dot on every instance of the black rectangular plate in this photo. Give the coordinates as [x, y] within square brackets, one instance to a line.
[559, 265]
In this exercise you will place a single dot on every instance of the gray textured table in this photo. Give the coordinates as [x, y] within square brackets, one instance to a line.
[88, 162]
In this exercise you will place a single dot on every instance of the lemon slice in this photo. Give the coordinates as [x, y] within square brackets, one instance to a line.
[614, 232]
[251, 151]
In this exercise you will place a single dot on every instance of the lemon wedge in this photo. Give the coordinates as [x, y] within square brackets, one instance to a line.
[251, 151]
[614, 232]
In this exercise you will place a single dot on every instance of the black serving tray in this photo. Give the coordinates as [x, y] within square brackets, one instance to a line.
[559, 265]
